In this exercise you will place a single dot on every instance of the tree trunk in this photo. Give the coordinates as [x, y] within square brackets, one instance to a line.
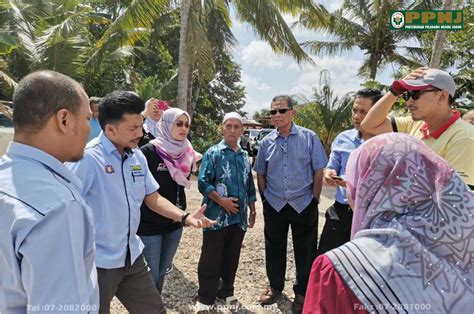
[184, 64]
[373, 66]
[439, 40]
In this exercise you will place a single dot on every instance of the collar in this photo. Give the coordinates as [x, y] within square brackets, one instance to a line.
[354, 135]
[109, 147]
[294, 130]
[437, 133]
[33, 153]
[223, 145]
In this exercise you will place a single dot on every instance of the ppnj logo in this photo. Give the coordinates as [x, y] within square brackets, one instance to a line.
[397, 20]
[426, 20]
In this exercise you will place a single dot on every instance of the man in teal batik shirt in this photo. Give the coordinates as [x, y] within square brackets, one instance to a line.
[226, 182]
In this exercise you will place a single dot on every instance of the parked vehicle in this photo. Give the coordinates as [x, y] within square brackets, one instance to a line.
[247, 139]
[258, 140]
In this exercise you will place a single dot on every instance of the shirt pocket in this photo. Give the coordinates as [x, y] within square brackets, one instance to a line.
[138, 186]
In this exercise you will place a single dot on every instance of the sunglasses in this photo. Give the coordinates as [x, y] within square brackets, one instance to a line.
[416, 94]
[280, 111]
[180, 124]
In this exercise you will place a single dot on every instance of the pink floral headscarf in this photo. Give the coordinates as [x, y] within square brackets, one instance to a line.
[412, 230]
[179, 156]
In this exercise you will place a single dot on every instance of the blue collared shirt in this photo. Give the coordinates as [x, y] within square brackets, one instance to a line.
[114, 187]
[288, 164]
[229, 174]
[341, 148]
[95, 129]
[46, 236]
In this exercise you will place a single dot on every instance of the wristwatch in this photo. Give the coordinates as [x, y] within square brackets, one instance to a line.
[394, 92]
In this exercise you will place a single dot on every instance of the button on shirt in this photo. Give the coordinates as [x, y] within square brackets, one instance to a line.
[229, 174]
[114, 187]
[46, 236]
[341, 147]
[289, 163]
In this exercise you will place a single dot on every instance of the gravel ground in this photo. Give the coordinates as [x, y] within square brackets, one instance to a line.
[181, 284]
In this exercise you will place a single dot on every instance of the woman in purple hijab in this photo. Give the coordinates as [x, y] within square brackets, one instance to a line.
[412, 247]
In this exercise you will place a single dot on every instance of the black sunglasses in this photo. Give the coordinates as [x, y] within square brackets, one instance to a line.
[180, 124]
[280, 111]
[415, 94]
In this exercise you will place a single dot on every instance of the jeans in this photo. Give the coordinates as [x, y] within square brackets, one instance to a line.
[159, 252]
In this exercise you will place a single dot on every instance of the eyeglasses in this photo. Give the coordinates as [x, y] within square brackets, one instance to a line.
[280, 111]
[180, 124]
[417, 93]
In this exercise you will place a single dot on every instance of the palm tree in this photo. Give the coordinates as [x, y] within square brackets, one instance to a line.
[197, 42]
[364, 24]
[439, 40]
[325, 114]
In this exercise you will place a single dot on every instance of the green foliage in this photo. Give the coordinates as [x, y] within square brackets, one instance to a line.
[364, 24]
[326, 115]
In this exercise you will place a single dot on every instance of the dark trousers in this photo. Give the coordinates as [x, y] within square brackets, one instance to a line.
[337, 228]
[304, 231]
[220, 255]
[132, 285]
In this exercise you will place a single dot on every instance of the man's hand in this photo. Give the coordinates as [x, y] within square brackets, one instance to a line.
[328, 174]
[198, 220]
[230, 205]
[416, 74]
[252, 215]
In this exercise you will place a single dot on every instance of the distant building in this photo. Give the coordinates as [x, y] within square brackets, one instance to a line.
[252, 124]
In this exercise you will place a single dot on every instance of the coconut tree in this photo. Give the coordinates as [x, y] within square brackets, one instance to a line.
[364, 24]
[326, 114]
[197, 43]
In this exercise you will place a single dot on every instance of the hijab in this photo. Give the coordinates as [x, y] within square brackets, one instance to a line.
[412, 247]
[179, 156]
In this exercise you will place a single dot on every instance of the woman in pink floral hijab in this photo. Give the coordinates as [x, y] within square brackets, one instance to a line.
[412, 247]
[170, 158]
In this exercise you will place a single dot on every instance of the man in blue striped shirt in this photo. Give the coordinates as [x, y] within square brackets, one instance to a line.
[289, 169]
[46, 229]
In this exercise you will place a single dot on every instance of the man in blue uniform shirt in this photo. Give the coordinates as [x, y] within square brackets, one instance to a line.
[337, 227]
[116, 180]
[289, 169]
[46, 228]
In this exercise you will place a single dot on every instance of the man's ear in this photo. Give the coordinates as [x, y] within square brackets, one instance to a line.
[64, 120]
[444, 96]
[109, 129]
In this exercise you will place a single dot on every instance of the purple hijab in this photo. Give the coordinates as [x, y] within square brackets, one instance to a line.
[412, 247]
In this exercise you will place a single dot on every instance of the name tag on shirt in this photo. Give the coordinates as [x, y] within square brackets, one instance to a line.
[137, 172]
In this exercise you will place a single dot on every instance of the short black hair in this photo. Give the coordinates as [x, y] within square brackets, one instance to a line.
[40, 95]
[113, 106]
[371, 93]
[286, 98]
[94, 101]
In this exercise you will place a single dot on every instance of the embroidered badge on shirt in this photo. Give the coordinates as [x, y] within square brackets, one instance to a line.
[109, 169]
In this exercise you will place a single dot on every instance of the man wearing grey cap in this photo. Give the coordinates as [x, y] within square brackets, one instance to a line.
[226, 182]
[429, 94]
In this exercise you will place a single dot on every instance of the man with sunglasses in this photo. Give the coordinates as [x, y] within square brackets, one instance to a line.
[289, 169]
[429, 94]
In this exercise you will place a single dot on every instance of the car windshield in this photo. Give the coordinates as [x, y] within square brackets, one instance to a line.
[254, 133]
[263, 134]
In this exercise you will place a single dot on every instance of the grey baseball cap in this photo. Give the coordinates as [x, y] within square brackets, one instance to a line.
[433, 78]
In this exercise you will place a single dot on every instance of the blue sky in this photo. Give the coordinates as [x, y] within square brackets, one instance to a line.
[265, 74]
